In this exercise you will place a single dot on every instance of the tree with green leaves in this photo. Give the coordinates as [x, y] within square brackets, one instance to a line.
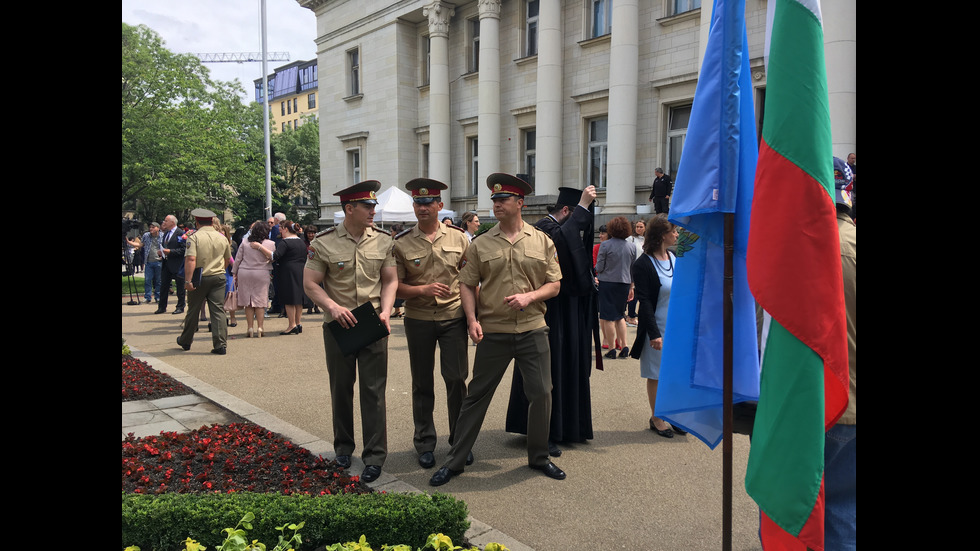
[296, 165]
[187, 141]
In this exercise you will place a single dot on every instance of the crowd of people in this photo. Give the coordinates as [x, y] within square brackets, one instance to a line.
[539, 295]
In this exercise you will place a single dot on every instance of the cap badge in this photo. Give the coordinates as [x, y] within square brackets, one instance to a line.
[497, 187]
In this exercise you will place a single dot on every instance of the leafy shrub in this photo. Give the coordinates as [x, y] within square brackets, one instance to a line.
[164, 521]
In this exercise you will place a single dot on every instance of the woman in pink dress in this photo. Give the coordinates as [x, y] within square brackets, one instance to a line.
[253, 271]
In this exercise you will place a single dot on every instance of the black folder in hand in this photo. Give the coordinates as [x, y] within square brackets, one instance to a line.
[368, 329]
[196, 277]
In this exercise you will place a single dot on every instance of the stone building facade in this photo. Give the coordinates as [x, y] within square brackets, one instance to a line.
[567, 92]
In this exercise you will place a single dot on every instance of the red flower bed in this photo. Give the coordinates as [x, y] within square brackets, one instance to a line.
[142, 382]
[218, 458]
[226, 459]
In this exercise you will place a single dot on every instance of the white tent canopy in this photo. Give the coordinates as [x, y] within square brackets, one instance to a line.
[394, 205]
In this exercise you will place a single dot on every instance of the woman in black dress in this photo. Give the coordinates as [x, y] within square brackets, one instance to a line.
[290, 258]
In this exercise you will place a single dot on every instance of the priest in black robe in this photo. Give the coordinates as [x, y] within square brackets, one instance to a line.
[571, 319]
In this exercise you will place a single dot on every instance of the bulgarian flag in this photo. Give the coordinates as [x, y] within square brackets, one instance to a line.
[794, 272]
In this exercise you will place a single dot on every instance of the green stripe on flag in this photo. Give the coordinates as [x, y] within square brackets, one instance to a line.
[797, 63]
[788, 438]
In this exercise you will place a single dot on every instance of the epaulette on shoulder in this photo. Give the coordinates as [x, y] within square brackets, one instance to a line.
[325, 232]
[381, 230]
[403, 233]
[457, 228]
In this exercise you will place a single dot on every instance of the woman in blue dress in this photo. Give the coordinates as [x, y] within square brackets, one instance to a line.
[653, 273]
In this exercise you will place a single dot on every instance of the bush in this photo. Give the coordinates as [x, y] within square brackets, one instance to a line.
[163, 522]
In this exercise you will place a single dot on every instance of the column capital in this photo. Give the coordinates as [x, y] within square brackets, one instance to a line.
[489, 8]
[439, 14]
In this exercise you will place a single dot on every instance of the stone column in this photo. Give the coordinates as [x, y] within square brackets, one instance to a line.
[439, 14]
[489, 114]
[549, 99]
[623, 85]
[840, 53]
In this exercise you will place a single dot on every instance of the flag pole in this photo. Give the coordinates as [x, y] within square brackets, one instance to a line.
[726, 540]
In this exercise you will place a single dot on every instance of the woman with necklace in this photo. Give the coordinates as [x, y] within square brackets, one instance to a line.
[653, 273]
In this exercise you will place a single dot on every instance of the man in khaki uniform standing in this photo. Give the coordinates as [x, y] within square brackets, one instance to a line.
[210, 251]
[429, 257]
[354, 263]
[516, 267]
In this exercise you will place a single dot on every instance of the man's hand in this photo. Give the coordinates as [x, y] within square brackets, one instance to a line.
[475, 331]
[343, 316]
[436, 290]
[657, 344]
[588, 195]
[518, 301]
[385, 316]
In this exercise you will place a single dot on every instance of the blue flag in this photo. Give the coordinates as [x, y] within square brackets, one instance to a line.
[715, 177]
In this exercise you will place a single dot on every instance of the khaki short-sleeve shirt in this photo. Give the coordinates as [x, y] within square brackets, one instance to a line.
[502, 268]
[210, 250]
[421, 262]
[352, 269]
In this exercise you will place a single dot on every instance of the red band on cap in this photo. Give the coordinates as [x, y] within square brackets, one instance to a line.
[359, 196]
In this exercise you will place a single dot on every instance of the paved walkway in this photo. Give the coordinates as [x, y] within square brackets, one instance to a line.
[627, 488]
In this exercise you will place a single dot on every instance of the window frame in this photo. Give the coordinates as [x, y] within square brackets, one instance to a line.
[599, 180]
[531, 28]
[605, 6]
[354, 63]
[671, 134]
[529, 153]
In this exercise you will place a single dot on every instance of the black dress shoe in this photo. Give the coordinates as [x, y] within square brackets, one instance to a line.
[442, 476]
[178, 311]
[371, 473]
[343, 461]
[427, 460]
[668, 433]
[625, 352]
[184, 346]
[551, 470]
[221, 351]
[469, 458]
[158, 311]
[677, 429]
[553, 449]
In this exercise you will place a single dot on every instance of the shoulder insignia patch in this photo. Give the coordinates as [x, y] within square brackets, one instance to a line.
[403, 233]
[325, 232]
[381, 230]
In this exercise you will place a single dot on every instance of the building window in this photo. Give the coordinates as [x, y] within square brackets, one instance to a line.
[354, 165]
[601, 15]
[474, 154]
[425, 59]
[425, 160]
[311, 101]
[282, 107]
[681, 6]
[284, 123]
[531, 28]
[474, 25]
[529, 154]
[289, 107]
[296, 104]
[677, 119]
[598, 135]
[353, 72]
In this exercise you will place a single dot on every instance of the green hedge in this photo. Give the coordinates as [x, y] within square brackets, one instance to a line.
[164, 521]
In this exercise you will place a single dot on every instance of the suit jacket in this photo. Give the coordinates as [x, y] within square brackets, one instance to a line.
[177, 247]
[646, 287]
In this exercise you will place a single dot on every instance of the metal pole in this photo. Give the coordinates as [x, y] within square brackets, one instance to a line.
[728, 312]
[265, 119]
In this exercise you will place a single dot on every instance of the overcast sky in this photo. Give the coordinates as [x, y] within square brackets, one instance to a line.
[229, 26]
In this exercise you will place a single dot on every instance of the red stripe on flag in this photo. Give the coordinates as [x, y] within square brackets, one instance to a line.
[802, 289]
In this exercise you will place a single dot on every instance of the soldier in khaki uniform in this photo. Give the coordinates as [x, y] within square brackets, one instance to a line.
[354, 263]
[516, 267]
[209, 250]
[429, 257]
